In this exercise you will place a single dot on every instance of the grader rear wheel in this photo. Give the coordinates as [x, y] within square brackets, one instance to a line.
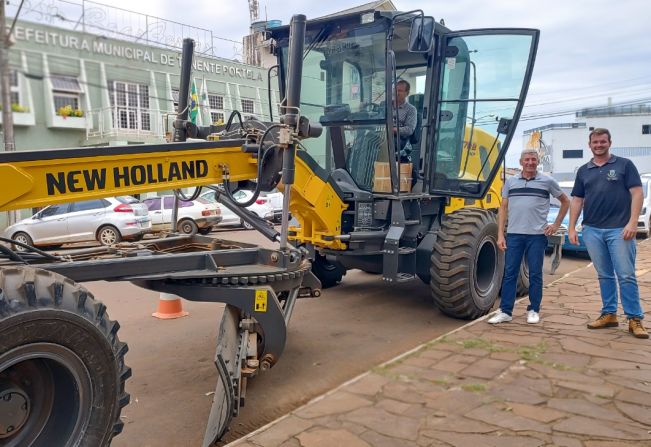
[466, 265]
[62, 370]
[522, 286]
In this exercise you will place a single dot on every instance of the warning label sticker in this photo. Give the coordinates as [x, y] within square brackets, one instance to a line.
[260, 301]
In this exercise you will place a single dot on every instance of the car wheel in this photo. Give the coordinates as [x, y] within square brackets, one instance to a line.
[188, 226]
[23, 238]
[108, 235]
[246, 225]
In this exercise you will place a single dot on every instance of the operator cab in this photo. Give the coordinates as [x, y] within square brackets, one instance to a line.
[468, 89]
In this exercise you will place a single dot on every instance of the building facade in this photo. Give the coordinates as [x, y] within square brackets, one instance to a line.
[72, 89]
[76, 89]
[564, 146]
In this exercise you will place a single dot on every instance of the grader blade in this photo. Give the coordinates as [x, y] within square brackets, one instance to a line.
[230, 344]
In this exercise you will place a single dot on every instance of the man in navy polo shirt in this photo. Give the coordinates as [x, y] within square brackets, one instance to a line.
[609, 190]
[525, 199]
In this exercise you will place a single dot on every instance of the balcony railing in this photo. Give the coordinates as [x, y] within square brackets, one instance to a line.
[115, 122]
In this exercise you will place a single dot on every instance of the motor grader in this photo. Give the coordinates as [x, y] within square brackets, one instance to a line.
[334, 153]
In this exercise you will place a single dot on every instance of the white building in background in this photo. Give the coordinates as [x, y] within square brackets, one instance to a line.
[564, 146]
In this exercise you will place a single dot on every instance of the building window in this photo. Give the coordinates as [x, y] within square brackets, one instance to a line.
[646, 129]
[247, 106]
[14, 87]
[216, 104]
[573, 153]
[175, 98]
[130, 106]
[216, 117]
[66, 91]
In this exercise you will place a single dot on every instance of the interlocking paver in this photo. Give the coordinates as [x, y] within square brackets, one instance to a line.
[598, 428]
[386, 423]
[335, 404]
[329, 438]
[585, 408]
[494, 415]
[536, 412]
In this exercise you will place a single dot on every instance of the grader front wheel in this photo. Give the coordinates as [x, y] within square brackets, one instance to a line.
[62, 370]
[466, 266]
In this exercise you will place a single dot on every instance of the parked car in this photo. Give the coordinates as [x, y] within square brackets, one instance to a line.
[554, 208]
[275, 199]
[644, 221]
[196, 216]
[107, 221]
[261, 207]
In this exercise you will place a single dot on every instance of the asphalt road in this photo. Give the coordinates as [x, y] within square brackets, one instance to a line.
[348, 330]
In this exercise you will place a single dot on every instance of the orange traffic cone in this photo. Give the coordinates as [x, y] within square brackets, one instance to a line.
[169, 306]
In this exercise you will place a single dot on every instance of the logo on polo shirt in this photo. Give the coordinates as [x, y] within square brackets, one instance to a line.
[612, 175]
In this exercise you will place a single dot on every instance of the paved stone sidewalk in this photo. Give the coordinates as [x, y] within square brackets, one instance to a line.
[552, 384]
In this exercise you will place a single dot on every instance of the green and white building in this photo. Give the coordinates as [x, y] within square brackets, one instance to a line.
[72, 89]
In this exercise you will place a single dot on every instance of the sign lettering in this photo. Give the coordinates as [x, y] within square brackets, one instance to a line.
[113, 49]
[63, 182]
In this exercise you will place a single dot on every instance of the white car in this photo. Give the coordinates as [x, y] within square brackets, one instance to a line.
[197, 216]
[644, 220]
[107, 221]
[276, 201]
[261, 207]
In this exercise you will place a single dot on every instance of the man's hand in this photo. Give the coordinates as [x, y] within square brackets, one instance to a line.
[551, 229]
[395, 130]
[629, 231]
[501, 242]
[573, 236]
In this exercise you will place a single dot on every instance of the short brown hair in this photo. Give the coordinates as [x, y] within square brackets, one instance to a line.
[405, 83]
[599, 131]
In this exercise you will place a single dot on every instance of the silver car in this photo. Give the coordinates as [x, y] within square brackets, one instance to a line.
[107, 221]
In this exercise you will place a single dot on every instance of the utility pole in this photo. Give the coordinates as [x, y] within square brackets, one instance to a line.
[5, 87]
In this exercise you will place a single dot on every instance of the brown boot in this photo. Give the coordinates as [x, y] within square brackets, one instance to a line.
[604, 320]
[635, 327]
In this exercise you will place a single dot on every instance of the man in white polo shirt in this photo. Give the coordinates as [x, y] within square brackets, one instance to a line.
[525, 201]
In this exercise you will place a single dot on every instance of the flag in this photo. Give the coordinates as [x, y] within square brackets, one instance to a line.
[194, 104]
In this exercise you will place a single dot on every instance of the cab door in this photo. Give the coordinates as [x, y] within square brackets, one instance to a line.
[483, 77]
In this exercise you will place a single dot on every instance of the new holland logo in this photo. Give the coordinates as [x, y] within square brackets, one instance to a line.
[612, 175]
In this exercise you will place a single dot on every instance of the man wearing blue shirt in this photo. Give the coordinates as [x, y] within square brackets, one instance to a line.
[609, 190]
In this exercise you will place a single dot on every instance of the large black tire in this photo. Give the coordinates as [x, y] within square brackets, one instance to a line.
[466, 267]
[522, 286]
[62, 370]
[329, 273]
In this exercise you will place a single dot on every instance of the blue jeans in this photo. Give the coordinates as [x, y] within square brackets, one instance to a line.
[516, 246]
[613, 257]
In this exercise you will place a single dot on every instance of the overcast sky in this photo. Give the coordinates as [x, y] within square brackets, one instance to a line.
[590, 50]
